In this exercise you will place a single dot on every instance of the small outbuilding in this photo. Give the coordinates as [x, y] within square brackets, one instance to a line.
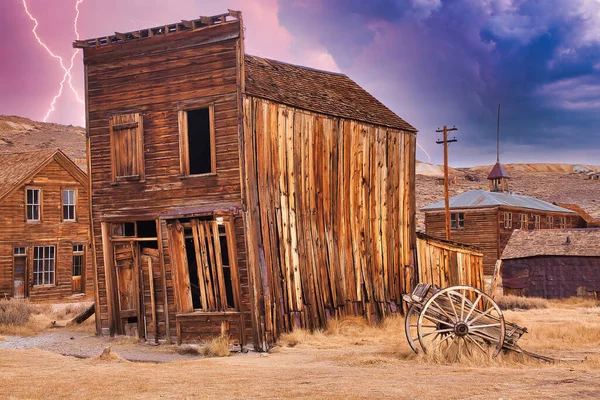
[552, 263]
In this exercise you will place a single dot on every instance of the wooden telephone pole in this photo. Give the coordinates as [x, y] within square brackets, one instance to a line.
[445, 142]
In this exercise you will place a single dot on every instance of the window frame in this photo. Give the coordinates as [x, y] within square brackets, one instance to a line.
[508, 222]
[524, 221]
[184, 153]
[39, 205]
[74, 205]
[537, 222]
[549, 222]
[43, 272]
[457, 220]
[115, 125]
[78, 253]
[561, 223]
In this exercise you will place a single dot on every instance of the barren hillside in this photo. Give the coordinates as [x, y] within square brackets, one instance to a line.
[19, 134]
[549, 182]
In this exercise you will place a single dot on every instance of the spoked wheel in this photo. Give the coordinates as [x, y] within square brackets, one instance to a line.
[452, 323]
[410, 327]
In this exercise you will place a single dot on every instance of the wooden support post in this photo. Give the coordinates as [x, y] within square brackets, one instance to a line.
[495, 279]
[152, 300]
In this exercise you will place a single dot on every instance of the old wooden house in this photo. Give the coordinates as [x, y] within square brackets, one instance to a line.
[236, 194]
[552, 264]
[585, 219]
[44, 220]
[486, 219]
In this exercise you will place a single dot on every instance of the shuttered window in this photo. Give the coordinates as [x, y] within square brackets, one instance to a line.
[127, 147]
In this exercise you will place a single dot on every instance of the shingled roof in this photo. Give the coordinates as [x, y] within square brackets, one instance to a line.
[18, 167]
[318, 91]
[553, 242]
[498, 172]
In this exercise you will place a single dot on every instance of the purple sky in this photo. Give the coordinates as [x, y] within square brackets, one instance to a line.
[433, 62]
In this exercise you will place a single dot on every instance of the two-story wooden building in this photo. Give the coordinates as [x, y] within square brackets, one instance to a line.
[486, 219]
[240, 195]
[44, 220]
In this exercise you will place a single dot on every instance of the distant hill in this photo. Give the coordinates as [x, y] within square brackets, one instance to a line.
[18, 134]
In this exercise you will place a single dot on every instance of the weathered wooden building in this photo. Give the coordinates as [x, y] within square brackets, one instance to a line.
[446, 263]
[585, 219]
[487, 219]
[44, 220]
[237, 194]
[552, 264]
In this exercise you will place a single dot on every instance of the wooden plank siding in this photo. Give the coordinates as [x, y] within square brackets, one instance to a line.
[51, 230]
[484, 228]
[448, 264]
[335, 214]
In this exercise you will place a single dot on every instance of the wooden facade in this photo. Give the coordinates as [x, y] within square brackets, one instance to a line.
[298, 207]
[44, 240]
[445, 263]
[489, 228]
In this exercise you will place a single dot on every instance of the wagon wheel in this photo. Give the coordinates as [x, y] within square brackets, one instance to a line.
[450, 323]
[410, 327]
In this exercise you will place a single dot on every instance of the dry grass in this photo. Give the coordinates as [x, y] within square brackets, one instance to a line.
[216, 347]
[520, 303]
[574, 302]
[187, 349]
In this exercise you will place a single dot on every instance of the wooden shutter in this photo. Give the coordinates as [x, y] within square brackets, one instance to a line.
[179, 265]
[127, 147]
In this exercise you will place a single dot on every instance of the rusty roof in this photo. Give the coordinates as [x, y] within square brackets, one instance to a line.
[318, 91]
[589, 220]
[498, 172]
[553, 242]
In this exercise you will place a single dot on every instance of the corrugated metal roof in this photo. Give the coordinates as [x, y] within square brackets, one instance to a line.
[483, 198]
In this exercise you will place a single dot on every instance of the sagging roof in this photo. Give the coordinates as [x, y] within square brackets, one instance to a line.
[485, 199]
[498, 172]
[318, 91]
[589, 220]
[553, 242]
[17, 168]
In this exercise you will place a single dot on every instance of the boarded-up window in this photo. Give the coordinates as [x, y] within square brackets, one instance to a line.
[127, 147]
[197, 141]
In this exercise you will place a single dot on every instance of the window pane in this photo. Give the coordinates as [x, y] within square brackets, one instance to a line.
[199, 141]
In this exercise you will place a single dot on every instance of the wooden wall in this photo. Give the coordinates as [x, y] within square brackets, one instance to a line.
[332, 204]
[448, 264]
[481, 230]
[552, 277]
[16, 232]
[157, 78]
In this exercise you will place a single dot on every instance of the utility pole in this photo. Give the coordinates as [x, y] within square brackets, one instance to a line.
[445, 142]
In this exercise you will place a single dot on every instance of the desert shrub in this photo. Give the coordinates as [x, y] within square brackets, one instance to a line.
[15, 312]
[520, 303]
[216, 347]
[186, 349]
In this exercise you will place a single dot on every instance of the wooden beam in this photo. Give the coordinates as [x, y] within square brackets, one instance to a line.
[163, 273]
[121, 36]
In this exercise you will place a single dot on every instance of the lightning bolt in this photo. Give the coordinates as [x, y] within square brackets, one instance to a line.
[67, 71]
[426, 153]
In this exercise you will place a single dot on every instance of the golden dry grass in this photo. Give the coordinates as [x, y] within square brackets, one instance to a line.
[216, 347]
[510, 302]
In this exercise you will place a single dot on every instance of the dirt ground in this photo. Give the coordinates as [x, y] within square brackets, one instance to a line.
[350, 360]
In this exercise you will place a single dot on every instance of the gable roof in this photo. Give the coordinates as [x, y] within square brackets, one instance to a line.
[318, 91]
[589, 220]
[498, 172]
[553, 242]
[485, 199]
[19, 167]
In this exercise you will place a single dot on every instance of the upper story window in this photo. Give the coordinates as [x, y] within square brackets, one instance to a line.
[457, 221]
[550, 222]
[34, 201]
[508, 220]
[69, 204]
[523, 221]
[197, 142]
[538, 223]
[127, 147]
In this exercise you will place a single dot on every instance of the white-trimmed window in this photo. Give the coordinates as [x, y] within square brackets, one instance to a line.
[33, 198]
[508, 220]
[523, 221]
[538, 222]
[550, 222]
[561, 222]
[69, 204]
[44, 265]
[78, 253]
[457, 221]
